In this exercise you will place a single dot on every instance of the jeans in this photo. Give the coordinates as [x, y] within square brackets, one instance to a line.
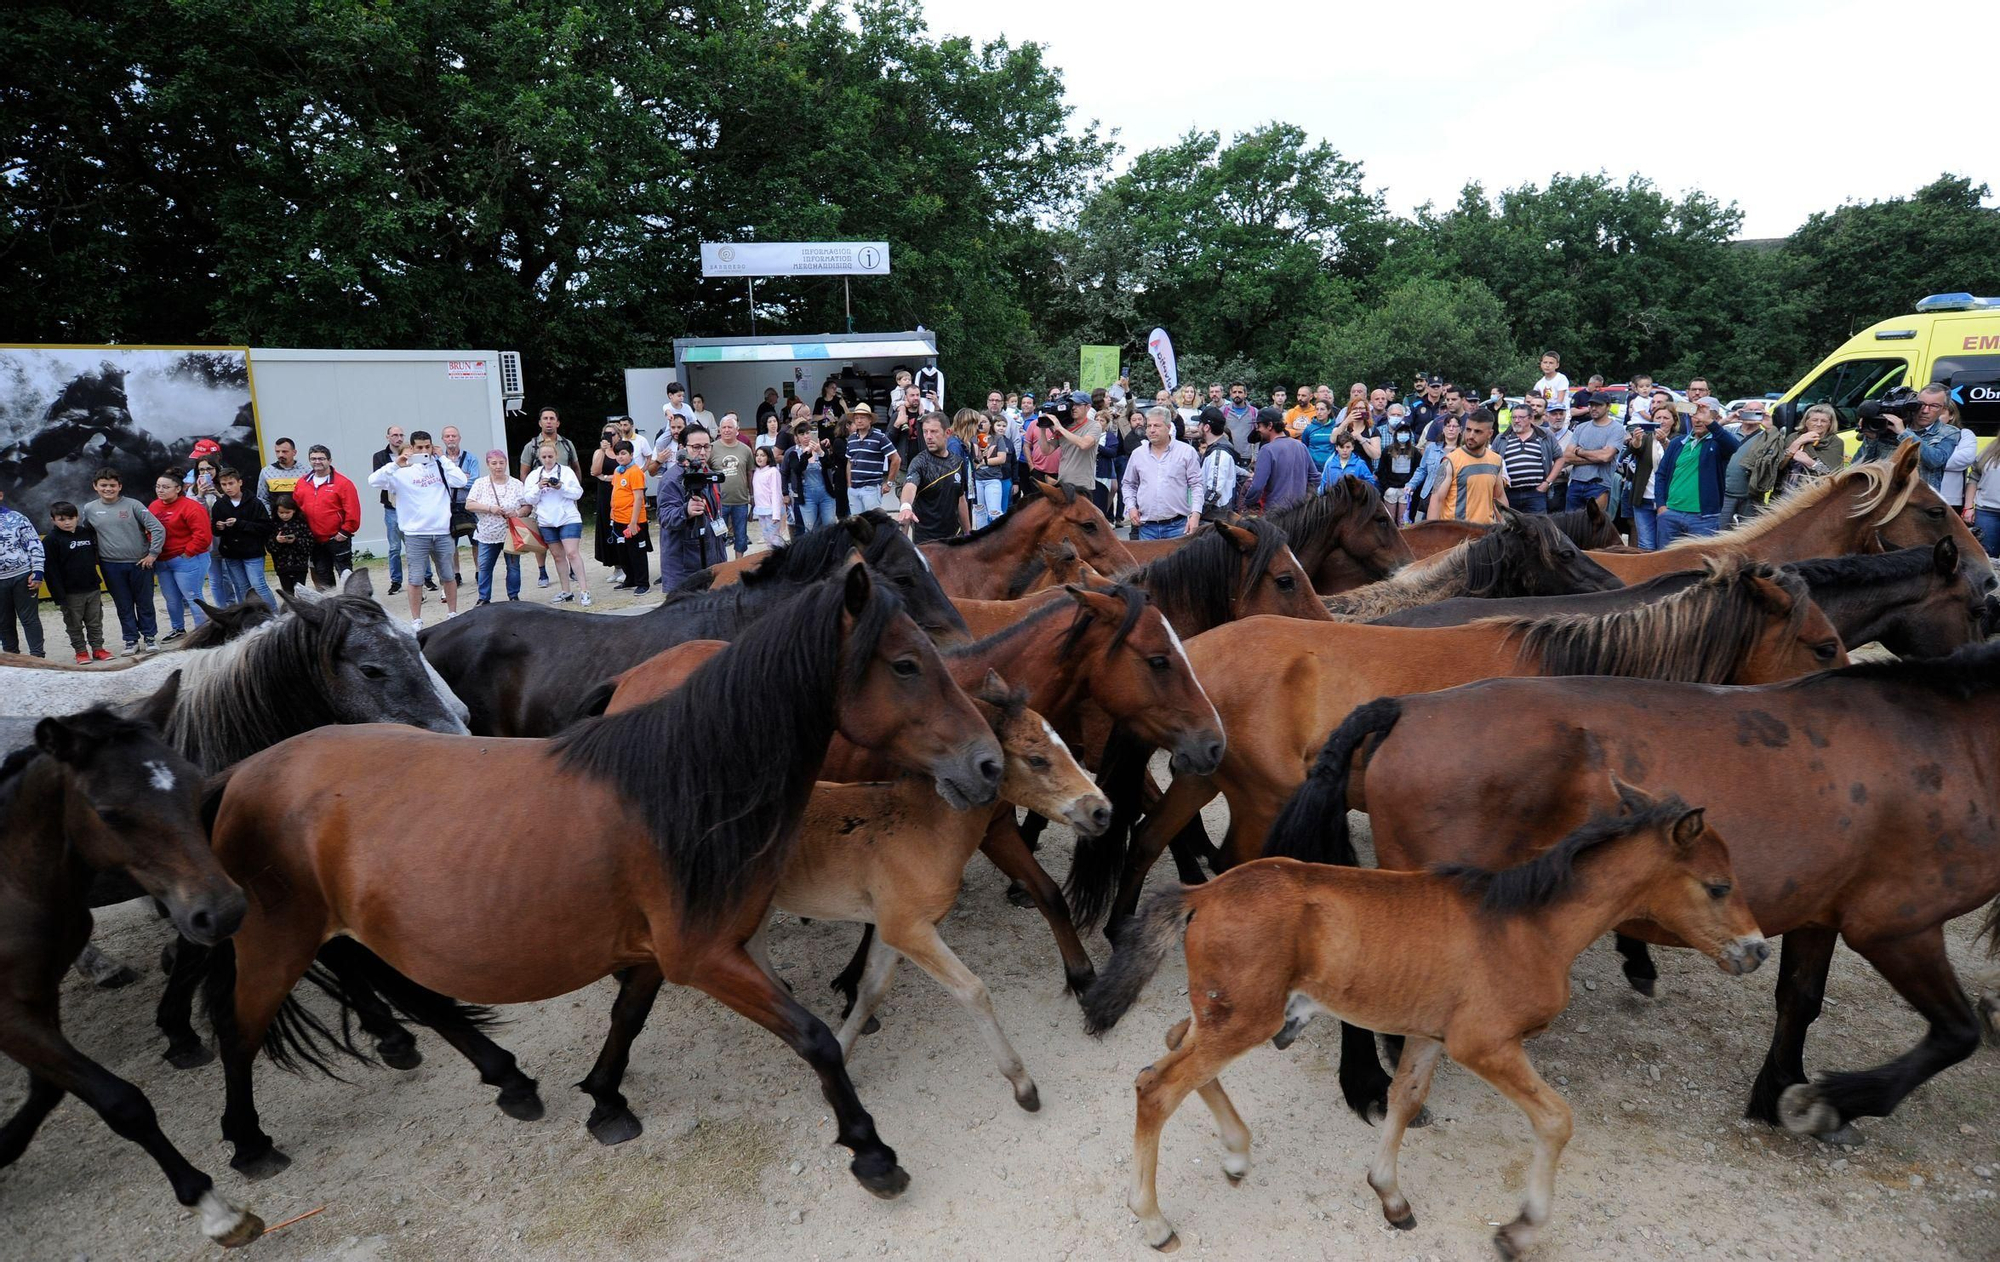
[737, 518]
[1581, 493]
[1172, 528]
[483, 570]
[990, 501]
[17, 600]
[818, 510]
[395, 545]
[1645, 527]
[1527, 501]
[227, 591]
[180, 584]
[862, 498]
[244, 575]
[1674, 524]
[1987, 521]
[131, 588]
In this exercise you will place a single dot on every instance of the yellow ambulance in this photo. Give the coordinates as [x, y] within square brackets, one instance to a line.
[1950, 338]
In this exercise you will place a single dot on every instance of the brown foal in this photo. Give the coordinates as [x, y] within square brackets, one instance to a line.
[1062, 568]
[1278, 936]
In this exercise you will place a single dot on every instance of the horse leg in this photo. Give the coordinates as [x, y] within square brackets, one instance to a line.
[1363, 1083]
[1506, 1068]
[1031, 827]
[174, 1017]
[1804, 956]
[1003, 845]
[104, 972]
[394, 1044]
[848, 980]
[734, 978]
[919, 940]
[1161, 1086]
[611, 1120]
[868, 996]
[1639, 969]
[1921, 973]
[519, 1096]
[1228, 1123]
[31, 1036]
[243, 1001]
[1406, 1098]
[1182, 802]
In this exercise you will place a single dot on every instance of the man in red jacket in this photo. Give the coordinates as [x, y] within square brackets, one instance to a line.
[332, 509]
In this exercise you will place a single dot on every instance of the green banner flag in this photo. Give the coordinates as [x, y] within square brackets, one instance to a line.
[1099, 368]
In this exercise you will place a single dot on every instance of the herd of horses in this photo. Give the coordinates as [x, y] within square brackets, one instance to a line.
[1554, 738]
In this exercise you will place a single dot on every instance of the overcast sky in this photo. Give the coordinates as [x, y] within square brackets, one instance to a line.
[1758, 102]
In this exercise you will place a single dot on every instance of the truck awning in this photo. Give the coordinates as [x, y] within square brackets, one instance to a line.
[905, 348]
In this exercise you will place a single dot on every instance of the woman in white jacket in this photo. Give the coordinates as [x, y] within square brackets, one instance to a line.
[554, 491]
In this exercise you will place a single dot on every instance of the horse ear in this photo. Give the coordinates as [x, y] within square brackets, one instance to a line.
[1097, 602]
[1774, 596]
[158, 707]
[1944, 557]
[1509, 519]
[56, 738]
[358, 584]
[1047, 489]
[1903, 466]
[1593, 512]
[1631, 800]
[993, 689]
[857, 589]
[1244, 539]
[861, 528]
[1688, 828]
[214, 614]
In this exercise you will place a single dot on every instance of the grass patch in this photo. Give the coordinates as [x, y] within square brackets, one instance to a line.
[700, 1178]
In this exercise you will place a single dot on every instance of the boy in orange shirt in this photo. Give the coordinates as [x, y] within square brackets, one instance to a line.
[628, 517]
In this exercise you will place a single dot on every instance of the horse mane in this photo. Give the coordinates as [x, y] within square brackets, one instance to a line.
[1006, 519]
[1473, 568]
[266, 685]
[719, 834]
[1879, 493]
[1699, 635]
[1552, 873]
[1135, 607]
[1857, 568]
[1575, 525]
[1203, 576]
[806, 559]
[1308, 523]
[1967, 673]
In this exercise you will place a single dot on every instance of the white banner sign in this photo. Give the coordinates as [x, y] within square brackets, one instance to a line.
[795, 258]
[1162, 348]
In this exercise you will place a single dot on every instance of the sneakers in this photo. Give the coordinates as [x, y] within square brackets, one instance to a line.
[584, 600]
[481, 601]
[541, 580]
[640, 591]
[83, 659]
[560, 598]
[103, 655]
[416, 625]
[396, 587]
[177, 633]
[150, 646]
[430, 585]
[514, 598]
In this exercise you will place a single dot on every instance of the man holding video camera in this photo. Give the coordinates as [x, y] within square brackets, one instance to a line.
[690, 511]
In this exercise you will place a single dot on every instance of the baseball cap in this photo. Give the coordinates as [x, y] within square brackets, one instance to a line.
[1433, 380]
[206, 447]
[1272, 417]
[1584, 398]
[1078, 399]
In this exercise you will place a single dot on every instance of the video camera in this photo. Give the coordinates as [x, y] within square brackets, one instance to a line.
[695, 476]
[1902, 402]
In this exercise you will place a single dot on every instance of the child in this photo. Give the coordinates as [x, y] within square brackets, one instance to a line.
[129, 540]
[240, 524]
[628, 516]
[767, 492]
[71, 552]
[291, 542]
[20, 574]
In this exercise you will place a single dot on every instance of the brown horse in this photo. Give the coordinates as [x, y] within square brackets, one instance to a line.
[1114, 653]
[97, 793]
[1064, 568]
[1462, 960]
[1280, 687]
[1003, 561]
[1873, 507]
[657, 861]
[1586, 527]
[1433, 535]
[1878, 774]
[1342, 537]
[1525, 555]
[1228, 572]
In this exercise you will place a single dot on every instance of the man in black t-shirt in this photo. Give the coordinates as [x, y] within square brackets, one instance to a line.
[934, 488]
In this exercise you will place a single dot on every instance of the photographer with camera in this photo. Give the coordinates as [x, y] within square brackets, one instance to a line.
[690, 511]
[422, 481]
[1923, 417]
[553, 488]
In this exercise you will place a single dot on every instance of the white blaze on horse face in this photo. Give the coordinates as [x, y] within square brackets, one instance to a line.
[161, 778]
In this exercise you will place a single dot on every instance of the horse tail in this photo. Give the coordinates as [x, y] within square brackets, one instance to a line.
[1313, 825]
[344, 962]
[297, 1038]
[1140, 949]
[1099, 862]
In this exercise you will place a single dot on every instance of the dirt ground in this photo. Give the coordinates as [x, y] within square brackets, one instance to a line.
[737, 1160]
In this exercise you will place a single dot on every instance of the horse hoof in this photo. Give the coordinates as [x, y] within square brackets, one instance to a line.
[261, 1167]
[1408, 1222]
[190, 1057]
[871, 1026]
[1288, 1033]
[1018, 895]
[615, 1129]
[405, 1056]
[887, 1185]
[1648, 987]
[1078, 983]
[117, 978]
[1029, 1098]
[1235, 1168]
[1803, 1112]
[1505, 1247]
[243, 1232]
[1422, 1119]
[523, 1104]
[1843, 1137]
[1171, 1243]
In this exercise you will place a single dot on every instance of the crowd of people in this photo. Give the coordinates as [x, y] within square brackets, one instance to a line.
[1662, 464]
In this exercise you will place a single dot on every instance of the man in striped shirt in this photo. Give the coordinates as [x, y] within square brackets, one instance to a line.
[1529, 455]
[872, 462]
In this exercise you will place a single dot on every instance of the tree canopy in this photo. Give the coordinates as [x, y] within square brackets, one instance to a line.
[537, 175]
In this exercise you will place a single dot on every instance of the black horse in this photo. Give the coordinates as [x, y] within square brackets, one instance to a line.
[530, 670]
[96, 792]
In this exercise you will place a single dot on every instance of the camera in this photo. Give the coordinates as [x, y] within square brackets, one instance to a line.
[693, 475]
[1901, 402]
